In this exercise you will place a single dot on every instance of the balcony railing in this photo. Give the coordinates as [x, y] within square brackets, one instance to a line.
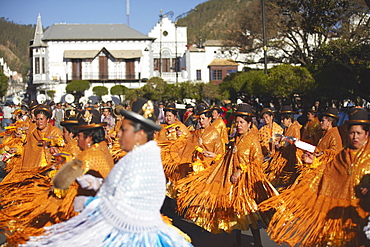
[110, 76]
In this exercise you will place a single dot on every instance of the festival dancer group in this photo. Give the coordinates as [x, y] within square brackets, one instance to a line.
[91, 185]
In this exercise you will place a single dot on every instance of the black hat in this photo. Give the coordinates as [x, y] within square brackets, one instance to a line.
[45, 109]
[89, 119]
[202, 108]
[331, 112]
[70, 118]
[244, 109]
[312, 109]
[33, 104]
[143, 111]
[357, 116]
[218, 108]
[189, 106]
[117, 110]
[266, 110]
[170, 107]
[286, 109]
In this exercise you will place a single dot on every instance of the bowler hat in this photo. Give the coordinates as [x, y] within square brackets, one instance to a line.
[170, 107]
[266, 110]
[89, 119]
[331, 112]
[357, 116]
[244, 109]
[143, 111]
[70, 118]
[202, 108]
[286, 109]
[44, 109]
[218, 108]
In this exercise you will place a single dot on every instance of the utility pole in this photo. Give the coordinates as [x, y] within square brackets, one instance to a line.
[264, 36]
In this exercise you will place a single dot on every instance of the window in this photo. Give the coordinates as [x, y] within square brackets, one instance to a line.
[37, 65]
[130, 69]
[199, 75]
[43, 66]
[76, 69]
[231, 71]
[216, 75]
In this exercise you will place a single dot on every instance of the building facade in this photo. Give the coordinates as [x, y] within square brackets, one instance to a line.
[104, 54]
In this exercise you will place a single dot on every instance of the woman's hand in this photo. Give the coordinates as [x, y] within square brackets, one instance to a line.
[208, 154]
[54, 151]
[178, 132]
[308, 157]
[235, 176]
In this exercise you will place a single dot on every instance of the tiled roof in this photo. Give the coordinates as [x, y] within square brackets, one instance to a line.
[92, 32]
[223, 62]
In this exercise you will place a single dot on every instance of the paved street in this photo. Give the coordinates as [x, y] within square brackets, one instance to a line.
[202, 238]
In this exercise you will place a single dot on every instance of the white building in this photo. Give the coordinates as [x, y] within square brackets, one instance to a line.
[169, 48]
[104, 54]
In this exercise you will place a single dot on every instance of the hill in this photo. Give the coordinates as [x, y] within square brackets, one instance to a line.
[14, 43]
[213, 19]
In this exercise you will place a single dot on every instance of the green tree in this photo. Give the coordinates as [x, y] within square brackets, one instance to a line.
[154, 89]
[248, 83]
[285, 80]
[119, 90]
[342, 70]
[210, 91]
[100, 91]
[3, 84]
[77, 87]
[51, 94]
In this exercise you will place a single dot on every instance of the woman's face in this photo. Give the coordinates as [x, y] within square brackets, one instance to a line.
[127, 136]
[325, 123]
[170, 118]
[204, 121]
[267, 119]
[242, 126]
[215, 114]
[41, 121]
[357, 136]
[83, 142]
[67, 136]
[286, 122]
[310, 116]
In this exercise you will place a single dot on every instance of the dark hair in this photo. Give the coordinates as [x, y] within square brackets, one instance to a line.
[172, 111]
[246, 118]
[207, 114]
[288, 116]
[138, 126]
[364, 126]
[268, 113]
[70, 128]
[46, 113]
[97, 134]
[333, 120]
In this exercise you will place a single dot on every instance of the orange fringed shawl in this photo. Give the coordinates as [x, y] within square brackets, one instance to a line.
[283, 161]
[326, 208]
[185, 155]
[265, 134]
[209, 198]
[29, 202]
[312, 132]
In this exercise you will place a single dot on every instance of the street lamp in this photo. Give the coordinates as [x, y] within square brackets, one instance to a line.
[264, 36]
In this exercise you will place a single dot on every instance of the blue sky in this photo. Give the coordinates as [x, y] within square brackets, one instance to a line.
[144, 14]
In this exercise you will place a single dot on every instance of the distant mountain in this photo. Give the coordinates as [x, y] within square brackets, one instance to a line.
[14, 43]
[213, 19]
